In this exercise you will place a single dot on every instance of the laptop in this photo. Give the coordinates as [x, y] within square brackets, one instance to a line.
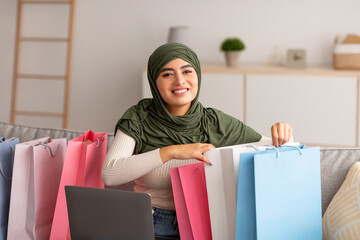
[108, 214]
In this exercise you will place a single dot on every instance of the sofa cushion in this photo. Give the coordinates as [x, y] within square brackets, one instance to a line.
[335, 163]
[342, 218]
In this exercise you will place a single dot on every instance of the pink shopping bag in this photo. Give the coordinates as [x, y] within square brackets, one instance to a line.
[35, 182]
[191, 201]
[82, 167]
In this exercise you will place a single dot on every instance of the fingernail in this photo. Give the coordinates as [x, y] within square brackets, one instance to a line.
[210, 164]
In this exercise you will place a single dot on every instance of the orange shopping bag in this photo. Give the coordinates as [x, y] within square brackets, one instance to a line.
[82, 167]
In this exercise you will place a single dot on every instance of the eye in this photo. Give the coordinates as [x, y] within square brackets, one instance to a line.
[166, 75]
[187, 71]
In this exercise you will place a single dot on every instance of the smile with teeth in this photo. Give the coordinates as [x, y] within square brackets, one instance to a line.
[181, 90]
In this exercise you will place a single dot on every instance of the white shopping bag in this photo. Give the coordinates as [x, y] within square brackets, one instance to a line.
[221, 181]
[35, 183]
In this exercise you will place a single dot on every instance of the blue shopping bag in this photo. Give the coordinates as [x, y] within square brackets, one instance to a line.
[279, 194]
[7, 148]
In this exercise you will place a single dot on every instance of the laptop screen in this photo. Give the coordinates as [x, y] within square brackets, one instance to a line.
[109, 214]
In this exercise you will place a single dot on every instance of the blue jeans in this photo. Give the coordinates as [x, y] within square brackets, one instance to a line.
[165, 223]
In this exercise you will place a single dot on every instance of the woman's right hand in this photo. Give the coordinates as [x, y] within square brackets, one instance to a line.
[186, 151]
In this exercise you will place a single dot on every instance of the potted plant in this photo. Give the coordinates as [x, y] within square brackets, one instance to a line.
[232, 48]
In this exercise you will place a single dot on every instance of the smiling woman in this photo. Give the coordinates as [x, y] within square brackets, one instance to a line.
[171, 129]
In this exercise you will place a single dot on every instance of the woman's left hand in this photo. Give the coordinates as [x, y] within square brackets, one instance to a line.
[281, 133]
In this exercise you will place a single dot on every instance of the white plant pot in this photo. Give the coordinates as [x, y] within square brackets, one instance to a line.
[232, 58]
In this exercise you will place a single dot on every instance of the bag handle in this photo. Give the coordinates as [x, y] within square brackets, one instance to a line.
[45, 144]
[254, 147]
[272, 147]
[277, 150]
[98, 140]
[299, 149]
[12, 162]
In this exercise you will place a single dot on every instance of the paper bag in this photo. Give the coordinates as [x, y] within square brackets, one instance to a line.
[35, 182]
[191, 202]
[82, 167]
[279, 195]
[7, 150]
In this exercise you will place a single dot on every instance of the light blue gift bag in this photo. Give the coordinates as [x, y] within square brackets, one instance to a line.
[279, 194]
[6, 163]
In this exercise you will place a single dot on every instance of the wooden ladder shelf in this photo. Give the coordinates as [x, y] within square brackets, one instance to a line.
[17, 75]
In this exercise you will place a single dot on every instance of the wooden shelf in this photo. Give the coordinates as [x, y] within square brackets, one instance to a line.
[266, 70]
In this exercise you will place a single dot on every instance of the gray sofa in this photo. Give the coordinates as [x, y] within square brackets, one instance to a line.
[335, 162]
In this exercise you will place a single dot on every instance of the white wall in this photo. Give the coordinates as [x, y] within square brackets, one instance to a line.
[113, 40]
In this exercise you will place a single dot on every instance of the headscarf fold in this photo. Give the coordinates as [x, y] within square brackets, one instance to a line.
[152, 126]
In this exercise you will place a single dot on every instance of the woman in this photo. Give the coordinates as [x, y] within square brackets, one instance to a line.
[170, 130]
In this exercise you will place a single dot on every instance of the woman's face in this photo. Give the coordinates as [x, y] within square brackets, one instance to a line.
[178, 86]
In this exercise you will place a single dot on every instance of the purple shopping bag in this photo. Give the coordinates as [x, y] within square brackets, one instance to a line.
[7, 148]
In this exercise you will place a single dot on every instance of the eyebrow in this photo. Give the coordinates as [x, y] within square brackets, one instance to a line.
[171, 69]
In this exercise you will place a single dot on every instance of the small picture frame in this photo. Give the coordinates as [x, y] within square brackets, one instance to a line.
[296, 58]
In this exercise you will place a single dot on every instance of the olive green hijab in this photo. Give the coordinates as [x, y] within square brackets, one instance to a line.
[152, 126]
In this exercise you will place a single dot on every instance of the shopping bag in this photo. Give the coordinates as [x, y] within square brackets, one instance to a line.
[7, 148]
[221, 184]
[82, 167]
[279, 194]
[35, 182]
[191, 202]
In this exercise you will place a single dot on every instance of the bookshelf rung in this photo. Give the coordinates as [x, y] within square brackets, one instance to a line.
[43, 39]
[41, 76]
[45, 2]
[41, 114]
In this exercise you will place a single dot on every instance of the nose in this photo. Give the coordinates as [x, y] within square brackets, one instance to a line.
[180, 79]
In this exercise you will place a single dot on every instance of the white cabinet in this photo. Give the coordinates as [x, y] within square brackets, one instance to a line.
[322, 110]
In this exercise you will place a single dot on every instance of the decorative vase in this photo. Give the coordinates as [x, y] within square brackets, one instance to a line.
[180, 34]
[232, 58]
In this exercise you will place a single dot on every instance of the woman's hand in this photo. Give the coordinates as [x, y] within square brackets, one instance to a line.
[281, 133]
[186, 151]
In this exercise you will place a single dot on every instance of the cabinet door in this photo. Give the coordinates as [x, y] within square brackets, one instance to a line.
[224, 92]
[322, 110]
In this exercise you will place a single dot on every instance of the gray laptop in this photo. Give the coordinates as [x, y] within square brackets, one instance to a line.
[109, 214]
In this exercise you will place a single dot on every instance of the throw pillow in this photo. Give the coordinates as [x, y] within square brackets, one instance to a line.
[342, 217]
